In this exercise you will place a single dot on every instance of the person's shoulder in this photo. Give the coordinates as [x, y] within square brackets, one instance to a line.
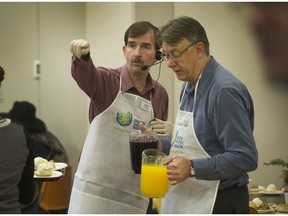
[44, 135]
[158, 86]
[160, 90]
[221, 77]
[16, 125]
[4, 115]
[17, 130]
[112, 72]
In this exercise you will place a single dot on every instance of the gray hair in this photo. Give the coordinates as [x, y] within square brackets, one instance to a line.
[184, 27]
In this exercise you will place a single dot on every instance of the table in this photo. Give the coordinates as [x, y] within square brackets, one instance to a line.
[275, 198]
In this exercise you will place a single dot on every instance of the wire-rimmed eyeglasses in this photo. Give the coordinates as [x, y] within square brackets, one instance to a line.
[175, 57]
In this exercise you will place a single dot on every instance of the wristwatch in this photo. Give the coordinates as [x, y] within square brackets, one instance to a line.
[192, 171]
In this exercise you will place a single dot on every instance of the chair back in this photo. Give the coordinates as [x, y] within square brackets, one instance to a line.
[55, 195]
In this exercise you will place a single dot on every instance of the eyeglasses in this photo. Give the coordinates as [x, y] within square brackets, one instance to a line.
[175, 57]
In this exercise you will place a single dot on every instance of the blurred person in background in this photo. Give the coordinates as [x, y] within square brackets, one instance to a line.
[269, 23]
[46, 144]
[17, 165]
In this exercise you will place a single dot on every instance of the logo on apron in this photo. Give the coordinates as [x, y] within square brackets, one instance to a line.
[124, 122]
[177, 140]
[183, 122]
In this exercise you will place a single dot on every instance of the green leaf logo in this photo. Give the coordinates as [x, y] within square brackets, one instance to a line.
[124, 121]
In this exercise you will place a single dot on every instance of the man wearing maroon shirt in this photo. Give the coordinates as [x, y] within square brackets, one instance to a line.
[119, 99]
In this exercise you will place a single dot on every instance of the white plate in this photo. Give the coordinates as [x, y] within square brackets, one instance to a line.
[55, 175]
[60, 165]
[271, 193]
[256, 189]
[266, 211]
[281, 208]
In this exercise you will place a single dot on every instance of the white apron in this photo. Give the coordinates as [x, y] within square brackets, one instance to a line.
[192, 196]
[104, 181]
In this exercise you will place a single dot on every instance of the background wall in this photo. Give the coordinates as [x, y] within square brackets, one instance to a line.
[42, 31]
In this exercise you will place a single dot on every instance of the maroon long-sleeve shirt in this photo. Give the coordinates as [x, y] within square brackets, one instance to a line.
[102, 86]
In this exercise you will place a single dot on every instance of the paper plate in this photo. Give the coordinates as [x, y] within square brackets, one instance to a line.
[271, 193]
[55, 176]
[60, 165]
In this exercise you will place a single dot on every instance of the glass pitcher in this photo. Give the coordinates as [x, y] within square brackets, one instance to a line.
[154, 178]
[139, 141]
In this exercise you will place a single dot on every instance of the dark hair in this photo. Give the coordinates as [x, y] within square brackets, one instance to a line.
[184, 27]
[2, 73]
[140, 28]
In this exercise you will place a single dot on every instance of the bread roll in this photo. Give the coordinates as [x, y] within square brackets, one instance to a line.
[271, 188]
[44, 169]
[38, 161]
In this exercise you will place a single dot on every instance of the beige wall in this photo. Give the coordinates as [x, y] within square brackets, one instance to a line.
[18, 45]
[42, 31]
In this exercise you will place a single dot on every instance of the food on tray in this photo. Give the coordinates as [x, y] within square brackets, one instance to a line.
[257, 206]
[264, 206]
[253, 210]
[282, 208]
[252, 205]
[254, 186]
[38, 161]
[261, 188]
[52, 163]
[258, 202]
[271, 188]
[44, 169]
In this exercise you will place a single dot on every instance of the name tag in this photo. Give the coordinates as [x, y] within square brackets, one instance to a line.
[146, 106]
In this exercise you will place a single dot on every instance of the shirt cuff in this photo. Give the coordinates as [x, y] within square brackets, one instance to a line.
[166, 145]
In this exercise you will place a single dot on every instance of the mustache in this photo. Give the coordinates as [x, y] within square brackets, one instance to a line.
[136, 59]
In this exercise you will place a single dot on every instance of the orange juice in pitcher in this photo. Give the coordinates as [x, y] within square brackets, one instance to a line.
[154, 178]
